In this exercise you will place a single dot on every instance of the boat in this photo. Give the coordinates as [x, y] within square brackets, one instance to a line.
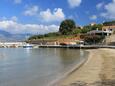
[28, 46]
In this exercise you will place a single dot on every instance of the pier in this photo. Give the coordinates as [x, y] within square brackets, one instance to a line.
[77, 46]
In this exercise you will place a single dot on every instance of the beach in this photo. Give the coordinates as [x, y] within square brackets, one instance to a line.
[98, 70]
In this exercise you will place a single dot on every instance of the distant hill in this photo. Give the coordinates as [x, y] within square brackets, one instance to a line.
[5, 33]
[6, 36]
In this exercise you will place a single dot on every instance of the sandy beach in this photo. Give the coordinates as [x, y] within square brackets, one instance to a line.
[99, 70]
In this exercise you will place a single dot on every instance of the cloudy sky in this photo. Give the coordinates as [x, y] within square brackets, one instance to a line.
[43, 16]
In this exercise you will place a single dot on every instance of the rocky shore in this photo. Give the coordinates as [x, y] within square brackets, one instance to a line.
[99, 70]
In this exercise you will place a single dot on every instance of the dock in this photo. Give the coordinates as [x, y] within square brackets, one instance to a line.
[76, 46]
[21, 44]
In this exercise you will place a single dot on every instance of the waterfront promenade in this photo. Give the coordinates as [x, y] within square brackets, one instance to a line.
[76, 46]
[21, 44]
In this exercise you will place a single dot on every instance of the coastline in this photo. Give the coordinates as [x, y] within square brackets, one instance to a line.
[98, 70]
[73, 69]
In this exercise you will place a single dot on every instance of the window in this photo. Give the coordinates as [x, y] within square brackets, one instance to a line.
[110, 29]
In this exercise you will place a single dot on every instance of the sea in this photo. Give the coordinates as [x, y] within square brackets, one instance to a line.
[36, 67]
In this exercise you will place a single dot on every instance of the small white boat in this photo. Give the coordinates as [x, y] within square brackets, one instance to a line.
[28, 46]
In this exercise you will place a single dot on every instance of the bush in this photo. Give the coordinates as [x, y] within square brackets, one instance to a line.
[36, 37]
[93, 39]
[52, 34]
[76, 31]
[109, 23]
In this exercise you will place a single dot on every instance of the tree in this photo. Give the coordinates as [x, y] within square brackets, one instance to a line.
[89, 28]
[67, 27]
[76, 31]
[99, 26]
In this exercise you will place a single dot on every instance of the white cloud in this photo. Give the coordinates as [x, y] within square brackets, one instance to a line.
[45, 15]
[74, 3]
[18, 28]
[56, 15]
[110, 10]
[31, 11]
[17, 1]
[93, 17]
[100, 5]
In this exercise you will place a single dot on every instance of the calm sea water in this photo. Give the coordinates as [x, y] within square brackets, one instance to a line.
[36, 67]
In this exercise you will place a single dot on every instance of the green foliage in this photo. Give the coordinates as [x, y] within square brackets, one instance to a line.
[52, 34]
[36, 37]
[97, 26]
[76, 31]
[109, 23]
[86, 29]
[89, 28]
[67, 27]
[93, 39]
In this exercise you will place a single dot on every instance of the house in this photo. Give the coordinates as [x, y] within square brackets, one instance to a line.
[106, 31]
[108, 28]
[100, 32]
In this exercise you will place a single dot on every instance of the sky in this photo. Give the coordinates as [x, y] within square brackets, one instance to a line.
[44, 16]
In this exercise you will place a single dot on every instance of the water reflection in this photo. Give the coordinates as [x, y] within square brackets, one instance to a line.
[33, 67]
[69, 56]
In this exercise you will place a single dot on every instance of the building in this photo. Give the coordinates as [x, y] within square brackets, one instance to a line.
[100, 32]
[93, 23]
[106, 31]
[108, 28]
[11, 44]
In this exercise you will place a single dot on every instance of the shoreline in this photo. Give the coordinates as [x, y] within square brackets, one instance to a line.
[75, 68]
[98, 70]
[82, 73]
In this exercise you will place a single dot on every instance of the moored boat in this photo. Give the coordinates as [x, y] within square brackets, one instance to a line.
[28, 46]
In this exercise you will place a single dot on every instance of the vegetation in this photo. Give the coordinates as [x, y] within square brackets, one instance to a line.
[109, 23]
[89, 28]
[76, 31]
[53, 34]
[93, 39]
[68, 29]
[97, 26]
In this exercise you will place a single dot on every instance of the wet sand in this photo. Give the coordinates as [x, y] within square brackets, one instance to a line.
[99, 70]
